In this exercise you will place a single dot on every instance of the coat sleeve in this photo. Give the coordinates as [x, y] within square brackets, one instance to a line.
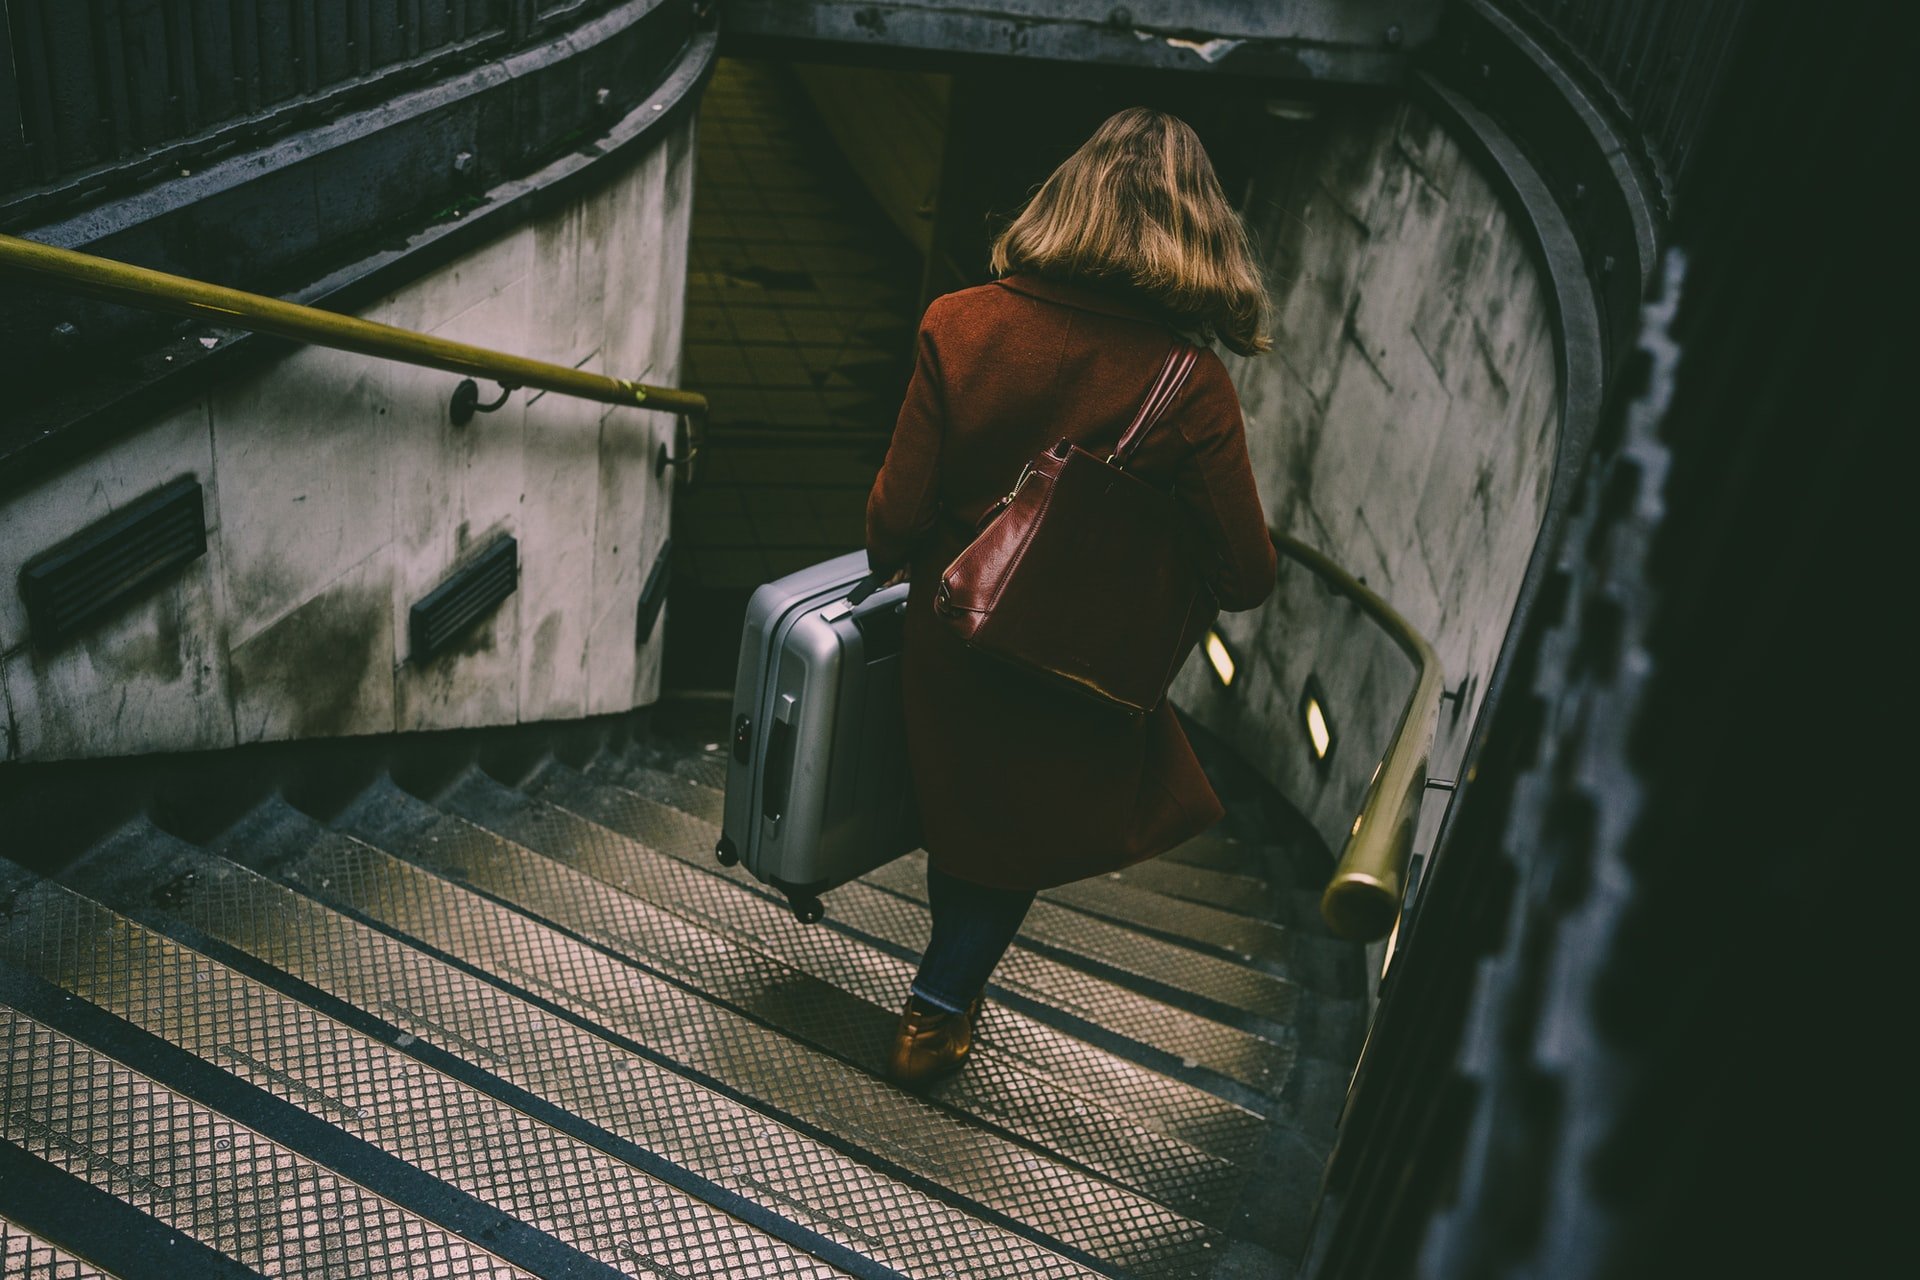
[1215, 485]
[902, 505]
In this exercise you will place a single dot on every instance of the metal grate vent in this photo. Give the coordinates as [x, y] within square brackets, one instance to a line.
[654, 594]
[112, 561]
[464, 599]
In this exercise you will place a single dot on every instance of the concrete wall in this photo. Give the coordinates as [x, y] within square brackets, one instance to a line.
[1405, 424]
[1354, 41]
[339, 494]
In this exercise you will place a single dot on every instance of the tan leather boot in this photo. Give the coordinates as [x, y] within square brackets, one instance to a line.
[929, 1045]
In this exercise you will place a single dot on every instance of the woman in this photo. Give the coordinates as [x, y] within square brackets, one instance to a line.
[1127, 244]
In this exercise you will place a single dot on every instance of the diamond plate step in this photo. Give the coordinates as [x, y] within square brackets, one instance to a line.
[621, 1091]
[684, 756]
[1001, 1082]
[559, 1185]
[26, 1256]
[1242, 895]
[1223, 982]
[685, 786]
[1128, 904]
[1060, 1203]
[1025, 1106]
[1258, 1061]
[1170, 964]
[214, 1180]
[91, 1225]
[1103, 1079]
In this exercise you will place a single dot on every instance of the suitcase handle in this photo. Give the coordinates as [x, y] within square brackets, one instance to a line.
[777, 781]
[865, 587]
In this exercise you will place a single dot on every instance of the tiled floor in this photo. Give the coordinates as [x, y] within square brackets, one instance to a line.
[801, 305]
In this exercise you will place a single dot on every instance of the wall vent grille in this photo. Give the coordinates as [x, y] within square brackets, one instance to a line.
[112, 561]
[463, 599]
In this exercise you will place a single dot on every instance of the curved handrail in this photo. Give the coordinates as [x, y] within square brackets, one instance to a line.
[120, 282]
[1362, 900]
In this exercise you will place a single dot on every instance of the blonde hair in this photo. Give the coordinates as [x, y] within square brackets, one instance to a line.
[1138, 204]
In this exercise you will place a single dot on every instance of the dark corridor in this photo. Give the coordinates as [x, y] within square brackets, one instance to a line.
[801, 305]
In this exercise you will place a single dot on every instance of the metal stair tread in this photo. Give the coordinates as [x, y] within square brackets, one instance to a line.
[1241, 894]
[589, 1076]
[601, 1206]
[998, 1087]
[24, 1254]
[840, 1023]
[1177, 1109]
[1078, 1210]
[1125, 940]
[239, 1181]
[1165, 961]
[559, 956]
[1257, 1061]
[1189, 925]
[1235, 986]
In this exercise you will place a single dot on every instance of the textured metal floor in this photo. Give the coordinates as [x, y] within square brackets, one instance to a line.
[533, 1028]
[22, 1253]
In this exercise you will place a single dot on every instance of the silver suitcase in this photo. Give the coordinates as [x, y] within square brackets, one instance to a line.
[818, 790]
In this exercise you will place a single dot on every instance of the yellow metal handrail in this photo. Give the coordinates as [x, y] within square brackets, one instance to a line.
[1362, 900]
[104, 278]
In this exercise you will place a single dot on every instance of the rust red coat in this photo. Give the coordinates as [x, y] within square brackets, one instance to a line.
[1019, 786]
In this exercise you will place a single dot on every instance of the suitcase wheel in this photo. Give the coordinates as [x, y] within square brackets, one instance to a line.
[725, 852]
[808, 910]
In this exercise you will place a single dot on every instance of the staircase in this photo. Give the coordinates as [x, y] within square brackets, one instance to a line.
[529, 1026]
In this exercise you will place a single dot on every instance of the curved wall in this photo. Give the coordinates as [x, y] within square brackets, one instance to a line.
[1405, 424]
[339, 493]
[334, 197]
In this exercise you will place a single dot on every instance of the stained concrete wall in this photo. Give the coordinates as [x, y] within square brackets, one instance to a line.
[1405, 424]
[339, 494]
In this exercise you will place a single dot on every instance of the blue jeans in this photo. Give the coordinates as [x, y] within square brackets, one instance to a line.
[973, 925]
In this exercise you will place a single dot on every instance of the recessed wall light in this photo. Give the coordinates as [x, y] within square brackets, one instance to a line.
[1317, 720]
[1220, 658]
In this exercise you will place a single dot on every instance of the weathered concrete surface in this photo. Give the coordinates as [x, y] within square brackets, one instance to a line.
[1358, 41]
[1405, 424]
[157, 672]
[338, 494]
